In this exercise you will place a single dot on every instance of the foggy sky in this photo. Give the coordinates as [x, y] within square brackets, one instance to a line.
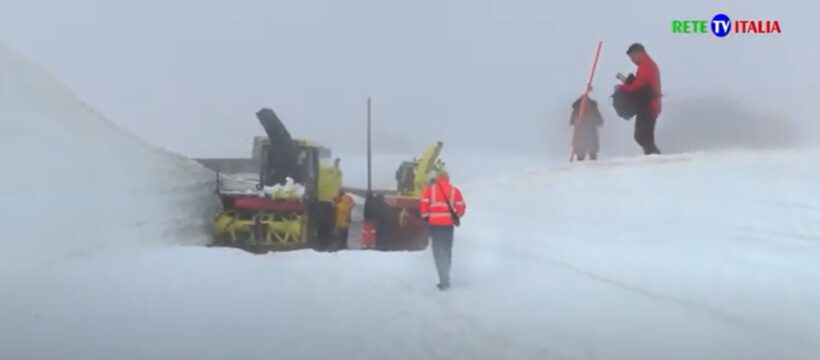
[487, 75]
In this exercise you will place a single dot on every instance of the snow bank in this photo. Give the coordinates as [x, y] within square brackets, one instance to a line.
[75, 183]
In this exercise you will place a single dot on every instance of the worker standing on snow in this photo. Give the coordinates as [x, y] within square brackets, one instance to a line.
[645, 90]
[343, 205]
[442, 206]
[586, 129]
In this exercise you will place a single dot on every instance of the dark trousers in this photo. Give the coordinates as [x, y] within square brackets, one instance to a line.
[645, 132]
[581, 156]
[442, 242]
[341, 238]
[382, 238]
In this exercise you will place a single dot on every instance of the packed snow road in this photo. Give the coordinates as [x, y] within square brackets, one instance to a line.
[695, 256]
[552, 263]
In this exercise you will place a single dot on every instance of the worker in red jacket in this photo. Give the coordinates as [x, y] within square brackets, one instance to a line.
[647, 86]
[442, 206]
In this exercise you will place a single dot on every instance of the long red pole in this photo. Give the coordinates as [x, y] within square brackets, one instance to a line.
[582, 110]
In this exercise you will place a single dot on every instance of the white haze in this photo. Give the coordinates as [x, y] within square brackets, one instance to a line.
[480, 75]
[693, 256]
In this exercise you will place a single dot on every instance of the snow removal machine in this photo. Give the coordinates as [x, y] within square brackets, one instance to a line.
[394, 215]
[291, 206]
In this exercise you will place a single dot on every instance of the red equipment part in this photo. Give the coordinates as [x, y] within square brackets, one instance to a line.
[368, 237]
[255, 203]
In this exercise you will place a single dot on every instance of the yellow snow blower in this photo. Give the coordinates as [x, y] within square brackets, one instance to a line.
[291, 207]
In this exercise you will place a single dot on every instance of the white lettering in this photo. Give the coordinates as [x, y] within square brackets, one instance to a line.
[721, 26]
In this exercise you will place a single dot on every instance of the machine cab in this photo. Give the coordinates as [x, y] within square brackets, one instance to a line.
[307, 164]
[307, 161]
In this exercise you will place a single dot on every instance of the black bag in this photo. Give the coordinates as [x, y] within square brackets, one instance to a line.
[624, 104]
[629, 104]
[456, 220]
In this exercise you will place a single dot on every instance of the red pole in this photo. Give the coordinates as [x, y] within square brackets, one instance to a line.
[582, 110]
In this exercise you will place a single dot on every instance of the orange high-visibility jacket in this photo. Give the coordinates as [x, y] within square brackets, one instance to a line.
[434, 207]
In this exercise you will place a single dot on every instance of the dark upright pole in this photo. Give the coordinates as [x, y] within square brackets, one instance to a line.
[369, 153]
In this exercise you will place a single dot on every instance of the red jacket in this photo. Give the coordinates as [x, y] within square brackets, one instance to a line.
[434, 207]
[647, 74]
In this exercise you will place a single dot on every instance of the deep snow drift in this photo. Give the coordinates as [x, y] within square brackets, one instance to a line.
[75, 184]
[697, 256]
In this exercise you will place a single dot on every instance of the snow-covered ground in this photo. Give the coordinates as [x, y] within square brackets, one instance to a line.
[693, 256]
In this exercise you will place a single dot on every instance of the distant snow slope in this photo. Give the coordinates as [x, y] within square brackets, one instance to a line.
[695, 256]
[74, 183]
[462, 166]
[698, 256]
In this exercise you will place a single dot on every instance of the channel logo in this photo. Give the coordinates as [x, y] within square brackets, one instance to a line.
[722, 25]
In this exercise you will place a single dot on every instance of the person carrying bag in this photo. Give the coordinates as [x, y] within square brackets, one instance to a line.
[442, 206]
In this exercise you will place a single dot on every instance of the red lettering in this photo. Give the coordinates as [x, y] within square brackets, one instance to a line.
[757, 26]
[775, 27]
[740, 26]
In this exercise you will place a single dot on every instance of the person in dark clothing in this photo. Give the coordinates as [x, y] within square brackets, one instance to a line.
[377, 212]
[585, 137]
[405, 176]
[325, 234]
[645, 90]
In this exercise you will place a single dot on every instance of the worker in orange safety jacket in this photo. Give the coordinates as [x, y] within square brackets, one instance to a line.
[442, 206]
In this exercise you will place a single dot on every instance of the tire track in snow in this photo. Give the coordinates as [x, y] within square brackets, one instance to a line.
[428, 323]
[694, 306]
[507, 343]
[465, 326]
